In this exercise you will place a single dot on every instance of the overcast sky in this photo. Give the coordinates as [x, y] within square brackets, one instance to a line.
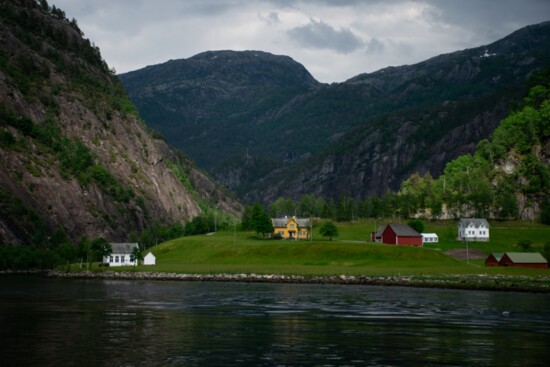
[334, 40]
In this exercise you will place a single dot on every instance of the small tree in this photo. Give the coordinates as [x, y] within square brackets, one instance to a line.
[329, 229]
[417, 225]
[101, 248]
[135, 256]
[525, 245]
[264, 225]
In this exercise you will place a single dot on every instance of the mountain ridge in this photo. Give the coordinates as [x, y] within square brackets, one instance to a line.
[255, 150]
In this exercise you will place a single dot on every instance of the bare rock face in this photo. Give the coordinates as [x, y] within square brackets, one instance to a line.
[57, 94]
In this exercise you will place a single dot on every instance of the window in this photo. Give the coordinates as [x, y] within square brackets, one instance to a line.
[110, 259]
[116, 259]
[292, 226]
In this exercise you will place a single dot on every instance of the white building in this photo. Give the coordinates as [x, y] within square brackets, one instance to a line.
[121, 254]
[429, 238]
[473, 229]
[149, 259]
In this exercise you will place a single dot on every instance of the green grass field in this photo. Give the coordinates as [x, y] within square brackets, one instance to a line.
[351, 253]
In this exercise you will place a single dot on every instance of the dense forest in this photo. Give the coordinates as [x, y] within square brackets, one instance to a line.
[508, 173]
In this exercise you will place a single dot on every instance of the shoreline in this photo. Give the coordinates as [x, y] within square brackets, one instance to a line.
[481, 282]
[461, 282]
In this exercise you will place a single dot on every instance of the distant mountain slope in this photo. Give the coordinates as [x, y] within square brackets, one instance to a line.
[209, 103]
[362, 136]
[75, 160]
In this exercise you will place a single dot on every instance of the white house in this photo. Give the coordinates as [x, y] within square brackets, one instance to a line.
[121, 254]
[429, 238]
[149, 259]
[473, 229]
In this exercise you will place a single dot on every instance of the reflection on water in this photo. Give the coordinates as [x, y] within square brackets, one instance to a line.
[56, 322]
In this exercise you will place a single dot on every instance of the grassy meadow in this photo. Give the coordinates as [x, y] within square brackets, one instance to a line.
[351, 253]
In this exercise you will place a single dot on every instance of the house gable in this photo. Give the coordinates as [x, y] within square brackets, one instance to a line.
[149, 259]
[291, 228]
[473, 229]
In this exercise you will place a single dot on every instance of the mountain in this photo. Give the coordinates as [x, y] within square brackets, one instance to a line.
[75, 158]
[266, 137]
[209, 104]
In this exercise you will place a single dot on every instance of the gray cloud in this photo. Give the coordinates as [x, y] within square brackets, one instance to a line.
[375, 46]
[322, 35]
[271, 18]
[134, 33]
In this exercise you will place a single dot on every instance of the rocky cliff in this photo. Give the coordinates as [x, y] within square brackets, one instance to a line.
[75, 157]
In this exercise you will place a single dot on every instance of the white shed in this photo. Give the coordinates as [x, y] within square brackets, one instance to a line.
[429, 238]
[149, 259]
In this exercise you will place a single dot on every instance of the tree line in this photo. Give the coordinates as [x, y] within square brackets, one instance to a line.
[505, 169]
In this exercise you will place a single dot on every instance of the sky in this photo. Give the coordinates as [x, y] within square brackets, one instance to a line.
[334, 40]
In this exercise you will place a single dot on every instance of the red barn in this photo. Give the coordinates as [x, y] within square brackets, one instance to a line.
[493, 259]
[401, 234]
[523, 260]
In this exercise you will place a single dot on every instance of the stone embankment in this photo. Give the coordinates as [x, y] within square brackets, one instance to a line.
[472, 282]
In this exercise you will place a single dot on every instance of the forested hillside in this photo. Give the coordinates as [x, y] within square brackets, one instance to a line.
[507, 177]
[76, 162]
[266, 136]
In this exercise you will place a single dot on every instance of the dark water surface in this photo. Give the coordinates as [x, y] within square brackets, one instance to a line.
[61, 322]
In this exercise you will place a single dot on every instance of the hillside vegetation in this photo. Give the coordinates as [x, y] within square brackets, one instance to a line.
[262, 126]
[76, 162]
[507, 177]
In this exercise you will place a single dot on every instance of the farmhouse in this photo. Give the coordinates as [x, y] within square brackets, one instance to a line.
[400, 234]
[429, 238]
[121, 254]
[523, 260]
[149, 259]
[493, 259]
[291, 228]
[473, 229]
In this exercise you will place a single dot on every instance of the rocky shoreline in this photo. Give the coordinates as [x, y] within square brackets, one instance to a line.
[467, 282]
[483, 282]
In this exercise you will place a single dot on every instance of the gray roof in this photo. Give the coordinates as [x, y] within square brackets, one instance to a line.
[404, 230]
[497, 255]
[123, 248]
[380, 231]
[476, 222]
[526, 257]
[282, 222]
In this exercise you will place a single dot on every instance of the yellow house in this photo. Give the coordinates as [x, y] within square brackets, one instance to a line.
[291, 228]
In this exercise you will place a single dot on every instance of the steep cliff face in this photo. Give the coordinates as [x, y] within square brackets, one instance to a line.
[74, 155]
[276, 138]
[379, 155]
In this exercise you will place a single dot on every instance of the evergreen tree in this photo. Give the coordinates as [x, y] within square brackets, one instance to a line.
[135, 256]
[416, 224]
[328, 229]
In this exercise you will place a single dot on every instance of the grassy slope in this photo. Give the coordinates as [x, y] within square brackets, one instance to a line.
[349, 254]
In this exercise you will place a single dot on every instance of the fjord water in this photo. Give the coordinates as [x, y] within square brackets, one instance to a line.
[60, 322]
